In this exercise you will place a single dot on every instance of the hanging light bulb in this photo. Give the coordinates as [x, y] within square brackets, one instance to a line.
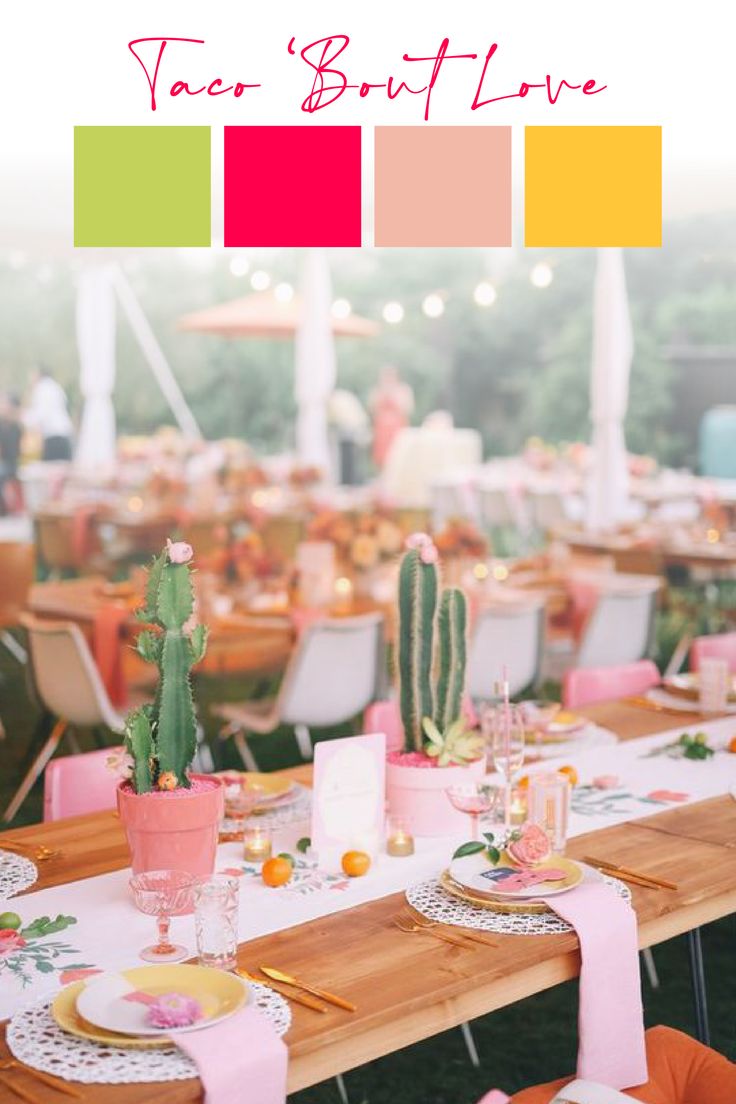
[341, 308]
[260, 280]
[393, 313]
[284, 293]
[239, 266]
[541, 275]
[485, 294]
[433, 305]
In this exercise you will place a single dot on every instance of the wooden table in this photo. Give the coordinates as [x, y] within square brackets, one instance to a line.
[408, 988]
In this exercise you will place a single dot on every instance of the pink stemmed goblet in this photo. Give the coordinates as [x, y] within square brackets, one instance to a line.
[473, 798]
[163, 894]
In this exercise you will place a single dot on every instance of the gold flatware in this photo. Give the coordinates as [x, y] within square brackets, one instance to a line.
[405, 925]
[287, 979]
[41, 853]
[19, 1091]
[47, 1079]
[635, 876]
[474, 936]
[297, 998]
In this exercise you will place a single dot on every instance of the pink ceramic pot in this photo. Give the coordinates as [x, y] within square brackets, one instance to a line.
[418, 795]
[176, 830]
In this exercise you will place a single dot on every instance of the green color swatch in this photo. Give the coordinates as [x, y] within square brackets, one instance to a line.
[142, 186]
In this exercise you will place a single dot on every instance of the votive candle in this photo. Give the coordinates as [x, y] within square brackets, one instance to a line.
[256, 843]
[399, 840]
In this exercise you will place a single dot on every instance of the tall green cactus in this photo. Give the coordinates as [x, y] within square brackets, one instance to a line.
[417, 606]
[161, 738]
[452, 626]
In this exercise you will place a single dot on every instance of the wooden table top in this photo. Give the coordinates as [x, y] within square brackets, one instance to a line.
[407, 987]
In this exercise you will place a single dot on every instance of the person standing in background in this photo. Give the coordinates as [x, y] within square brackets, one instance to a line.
[11, 433]
[391, 404]
[48, 414]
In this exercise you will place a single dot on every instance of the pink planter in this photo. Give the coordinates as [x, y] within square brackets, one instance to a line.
[418, 794]
[176, 830]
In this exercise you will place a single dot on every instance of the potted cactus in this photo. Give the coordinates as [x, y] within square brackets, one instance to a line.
[170, 815]
[431, 660]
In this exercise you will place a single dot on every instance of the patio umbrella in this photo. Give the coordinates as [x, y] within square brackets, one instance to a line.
[308, 318]
[607, 501]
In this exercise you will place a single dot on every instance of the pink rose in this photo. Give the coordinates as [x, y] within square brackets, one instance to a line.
[179, 551]
[418, 540]
[531, 848]
[10, 941]
[429, 554]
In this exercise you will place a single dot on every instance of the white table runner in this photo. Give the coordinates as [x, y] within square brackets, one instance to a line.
[94, 924]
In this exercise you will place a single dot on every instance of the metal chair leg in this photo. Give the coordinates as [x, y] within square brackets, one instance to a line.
[35, 770]
[11, 645]
[342, 1089]
[697, 979]
[304, 740]
[246, 754]
[649, 966]
[470, 1044]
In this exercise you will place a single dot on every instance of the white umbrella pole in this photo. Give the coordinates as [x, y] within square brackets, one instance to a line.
[96, 343]
[315, 363]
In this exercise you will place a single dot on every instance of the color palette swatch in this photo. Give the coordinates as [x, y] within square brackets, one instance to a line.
[292, 186]
[593, 186]
[141, 186]
[443, 186]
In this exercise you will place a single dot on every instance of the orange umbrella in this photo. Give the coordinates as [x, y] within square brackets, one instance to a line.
[263, 315]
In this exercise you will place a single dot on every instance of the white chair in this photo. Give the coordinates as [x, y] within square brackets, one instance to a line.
[548, 510]
[452, 497]
[510, 636]
[68, 685]
[621, 627]
[332, 676]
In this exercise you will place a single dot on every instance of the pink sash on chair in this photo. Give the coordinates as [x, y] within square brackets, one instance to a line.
[107, 649]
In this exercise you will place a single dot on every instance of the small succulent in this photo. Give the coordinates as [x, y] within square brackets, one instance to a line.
[686, 747]
[457, 744]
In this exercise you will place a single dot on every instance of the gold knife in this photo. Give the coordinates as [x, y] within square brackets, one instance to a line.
[287, 979]
[298, 998]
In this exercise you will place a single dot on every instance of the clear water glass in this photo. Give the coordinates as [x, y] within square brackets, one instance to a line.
[504, 730]
[216, 921]
[549, 806]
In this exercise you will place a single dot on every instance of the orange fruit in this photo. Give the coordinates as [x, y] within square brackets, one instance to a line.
[356, 863]
[276, 871]
[732, 744]
[523, 782]
[570, 773]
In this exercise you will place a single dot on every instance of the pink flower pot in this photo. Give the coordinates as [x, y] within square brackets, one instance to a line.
[176, 830]
[418, 795]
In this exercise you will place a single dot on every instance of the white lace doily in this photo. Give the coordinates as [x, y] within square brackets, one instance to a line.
[16, 873]
[300, 808]
[435, 903]
[35, 1038]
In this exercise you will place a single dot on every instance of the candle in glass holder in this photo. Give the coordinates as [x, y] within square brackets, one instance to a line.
[518, 805]
[549, 806]
[399, 840]
[343, 595]
[256, 843]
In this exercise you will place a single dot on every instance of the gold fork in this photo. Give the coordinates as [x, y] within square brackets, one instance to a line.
[474, 936]
[404, 924]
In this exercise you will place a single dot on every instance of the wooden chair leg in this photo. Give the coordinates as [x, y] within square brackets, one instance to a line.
[36, 769]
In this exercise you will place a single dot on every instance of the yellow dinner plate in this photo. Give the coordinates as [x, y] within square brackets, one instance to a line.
[218, 992]
[469, 873]
[270, 786]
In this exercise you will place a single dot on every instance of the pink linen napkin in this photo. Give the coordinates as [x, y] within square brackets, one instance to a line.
[611, 1046]
[240, 1058]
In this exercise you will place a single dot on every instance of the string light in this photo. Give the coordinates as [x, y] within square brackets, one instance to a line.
[485, 294]
[541, 275]
[393, 313]
[239, 266]
[433, 305]
[260, 280]
[341, 308]
[284, 293]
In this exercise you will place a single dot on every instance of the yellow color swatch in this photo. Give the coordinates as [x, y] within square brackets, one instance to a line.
[593, 186]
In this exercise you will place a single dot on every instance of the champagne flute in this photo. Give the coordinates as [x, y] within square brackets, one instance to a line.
[505, 726]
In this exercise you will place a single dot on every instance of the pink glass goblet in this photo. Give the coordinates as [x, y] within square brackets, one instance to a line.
[163, 893]
[473, 798]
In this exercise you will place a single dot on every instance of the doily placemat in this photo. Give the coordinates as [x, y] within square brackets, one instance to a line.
[35, 1038]
[16, 873]
[300, 808]
[432, 901]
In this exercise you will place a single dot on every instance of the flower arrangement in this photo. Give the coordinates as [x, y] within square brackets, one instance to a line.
[526, 846]
[363, 541]
[160, 739]
[305, 475]
[461, 538]
[432, 674]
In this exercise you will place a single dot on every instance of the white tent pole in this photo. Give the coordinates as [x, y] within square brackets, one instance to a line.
[155, 357]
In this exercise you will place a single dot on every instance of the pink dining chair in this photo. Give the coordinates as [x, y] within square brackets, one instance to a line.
[718, 646]
[586, 685]
[76, 784]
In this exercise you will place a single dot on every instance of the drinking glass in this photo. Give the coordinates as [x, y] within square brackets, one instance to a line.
[714, 684]
[474, 798]
[216, 921]
[163, 894]
[549, 806]
[504, 730]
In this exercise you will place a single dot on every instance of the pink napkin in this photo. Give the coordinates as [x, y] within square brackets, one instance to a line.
[240, 1058]
[610, 1016]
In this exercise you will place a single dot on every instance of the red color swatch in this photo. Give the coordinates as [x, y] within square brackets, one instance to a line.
[292, 186]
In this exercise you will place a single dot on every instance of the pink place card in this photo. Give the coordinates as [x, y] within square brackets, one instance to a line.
[349, 796]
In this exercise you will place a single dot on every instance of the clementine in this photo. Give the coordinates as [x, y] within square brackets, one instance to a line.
[356, 863]
[570, 773]
[276, 871]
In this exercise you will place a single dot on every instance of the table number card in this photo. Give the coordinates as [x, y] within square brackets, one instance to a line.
[349, 791]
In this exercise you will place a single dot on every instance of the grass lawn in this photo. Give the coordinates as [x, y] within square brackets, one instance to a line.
[528, 1042]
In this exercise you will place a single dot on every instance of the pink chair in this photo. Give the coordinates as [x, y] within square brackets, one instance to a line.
[385, 716]
[75, 784]
[718, 646]
[586, 685]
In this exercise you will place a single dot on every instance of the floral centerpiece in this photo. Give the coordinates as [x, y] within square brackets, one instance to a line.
[438, 743]
[170, 815]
